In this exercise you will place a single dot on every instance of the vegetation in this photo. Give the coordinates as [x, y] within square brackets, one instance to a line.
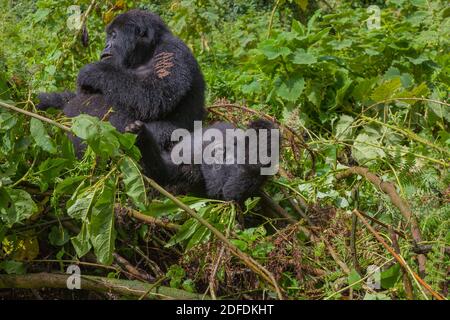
[361, 205]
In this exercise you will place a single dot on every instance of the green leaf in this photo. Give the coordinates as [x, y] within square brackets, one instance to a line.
[365, 148]
[390, 276]
[41, 137]
[273, 51]
[69, 184]
[386, 90]
[58, 236]
[101, 229]
[7, 121]
[186, 231]
[291, 89]
[343, 127]
[16, 205]
[353, 278]
[101, 136]
[82, 206]
[302, 57]
[81, 242]
[134, 182]
[13, 267]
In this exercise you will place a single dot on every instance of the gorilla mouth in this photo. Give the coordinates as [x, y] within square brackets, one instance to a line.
[105, 56]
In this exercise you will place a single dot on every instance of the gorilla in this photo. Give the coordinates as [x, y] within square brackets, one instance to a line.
[145, 73]
[230, 182]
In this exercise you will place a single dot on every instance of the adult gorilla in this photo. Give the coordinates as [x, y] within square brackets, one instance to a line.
[145, 73]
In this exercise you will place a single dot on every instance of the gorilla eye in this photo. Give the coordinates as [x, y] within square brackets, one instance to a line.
[113, 34]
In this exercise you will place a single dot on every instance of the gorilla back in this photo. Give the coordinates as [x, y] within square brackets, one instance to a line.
[145, 73]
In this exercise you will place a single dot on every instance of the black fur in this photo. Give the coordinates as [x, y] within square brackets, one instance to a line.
[146, 74]
[228, 182]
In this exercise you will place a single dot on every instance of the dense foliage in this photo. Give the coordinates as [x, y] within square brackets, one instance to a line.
[355, 93]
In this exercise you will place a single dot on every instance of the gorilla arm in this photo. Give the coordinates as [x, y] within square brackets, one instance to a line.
[55, 99]
[149, 98]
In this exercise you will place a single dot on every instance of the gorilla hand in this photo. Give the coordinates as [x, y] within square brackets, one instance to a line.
[55, 99]
[135, 127]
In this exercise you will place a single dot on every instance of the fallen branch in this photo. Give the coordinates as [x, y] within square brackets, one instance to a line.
[249, 261]
[406, 280]
[149, 219]
[401, 204]
[398, 257]
[131, 288]
[35, 115]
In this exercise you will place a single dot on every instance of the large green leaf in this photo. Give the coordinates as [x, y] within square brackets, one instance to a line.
[101, 228]
[16, 205]
[41, 137]
[101, 136]
[134, 182]
[303, 57]
[81, 242]
[291, 89]
[82, 206]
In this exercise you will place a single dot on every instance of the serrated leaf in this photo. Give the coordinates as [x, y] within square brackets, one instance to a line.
[291, 89]
[364, 148]
[101, 228]
[7, 121]
[386, 90]
[41, 137]
[273, 51]
[134, 182]
[343, 127]
[15, 205]
[303, 57]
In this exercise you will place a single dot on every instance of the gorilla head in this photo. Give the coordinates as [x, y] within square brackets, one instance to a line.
[132, 37]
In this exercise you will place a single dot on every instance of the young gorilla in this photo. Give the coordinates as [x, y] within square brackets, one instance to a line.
[145, 73]
[217, 181]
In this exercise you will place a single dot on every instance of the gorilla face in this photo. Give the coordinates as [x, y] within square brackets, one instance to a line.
[131, 38]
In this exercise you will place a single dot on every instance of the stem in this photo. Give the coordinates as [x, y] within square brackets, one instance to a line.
[35, 115]
[398, 257]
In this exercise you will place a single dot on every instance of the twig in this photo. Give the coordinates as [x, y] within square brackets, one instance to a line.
[399, 232]
[353, 244]
[35, 115]
[402, 205]
[406, 281]
[398, 257]
[276, 207]
[312, 234]
[408, 133]
[212, 285]
[139, 274]
[272, 14]
[250, 262]
[149, 219]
